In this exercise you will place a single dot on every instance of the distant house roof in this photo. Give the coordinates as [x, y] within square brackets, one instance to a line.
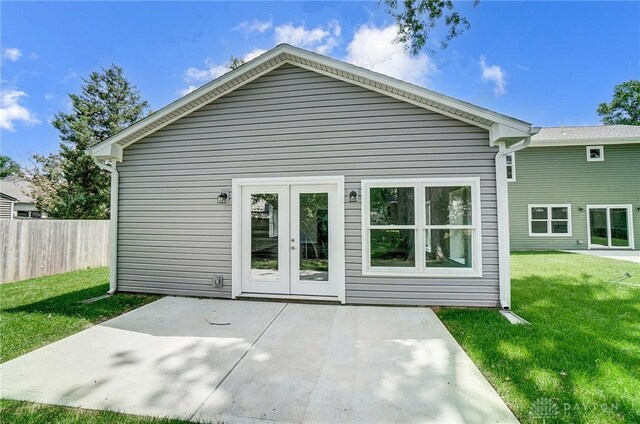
[501, 127]
[596, 134]
[18, 189]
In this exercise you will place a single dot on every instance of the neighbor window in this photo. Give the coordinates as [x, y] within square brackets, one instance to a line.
[595, 153]
[423, 227]
[549, 220]
[511, 166]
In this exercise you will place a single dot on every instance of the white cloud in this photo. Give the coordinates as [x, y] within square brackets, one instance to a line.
[376, 49]
[12, 54]
[49, 96]
[494, 74]
[187, 90]
[11, 110]
[212, 71]
[69, 76]
[319, 39]
[256, 25]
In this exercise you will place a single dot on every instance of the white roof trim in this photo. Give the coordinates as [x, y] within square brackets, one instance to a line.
[501, 127]
[584, 142]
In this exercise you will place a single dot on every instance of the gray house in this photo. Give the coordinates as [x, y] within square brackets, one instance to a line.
[15, 201]
[576, 188]
[300, 176]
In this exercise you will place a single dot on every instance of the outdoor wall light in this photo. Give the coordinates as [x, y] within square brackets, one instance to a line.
[223, 197]
[353, 196]
[637, 208]
[580, 209]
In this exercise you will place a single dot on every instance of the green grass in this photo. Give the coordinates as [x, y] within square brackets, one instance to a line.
[17, 412]
[582, 349]
[42, 310]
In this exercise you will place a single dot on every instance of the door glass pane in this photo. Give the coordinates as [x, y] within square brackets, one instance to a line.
[448, 205]
[619, 227]
[393, 248]
[392, 206]
[447, 248]
[264, 236]
[314, 236]
[598, 225]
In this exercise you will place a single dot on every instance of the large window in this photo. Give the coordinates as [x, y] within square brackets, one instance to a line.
[425, 227]
[549, 220]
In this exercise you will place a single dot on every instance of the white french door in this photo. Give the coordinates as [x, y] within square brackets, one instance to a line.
[610, 226]
[292, 239]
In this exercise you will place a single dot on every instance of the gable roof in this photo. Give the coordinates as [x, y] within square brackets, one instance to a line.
[16, 189]
[586, 135]
[501, 127]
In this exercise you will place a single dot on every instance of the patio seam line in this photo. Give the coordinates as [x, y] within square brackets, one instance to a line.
[237, 362]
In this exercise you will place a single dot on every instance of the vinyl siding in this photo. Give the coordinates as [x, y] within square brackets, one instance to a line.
[173, 236]
[563, 175]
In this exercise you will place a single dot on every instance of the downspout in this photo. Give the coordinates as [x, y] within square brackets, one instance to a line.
[502, 195]
[113, 230]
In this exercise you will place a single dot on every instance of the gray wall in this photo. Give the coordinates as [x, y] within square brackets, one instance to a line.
[563, 175]
[173, 236]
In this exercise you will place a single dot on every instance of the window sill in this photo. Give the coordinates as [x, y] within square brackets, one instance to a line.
[434, 273]
[549, 235]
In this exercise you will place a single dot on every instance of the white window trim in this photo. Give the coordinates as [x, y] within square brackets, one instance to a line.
[420, 227]
[513, 167]
[600, 159]
[629, 209]
[549, 219]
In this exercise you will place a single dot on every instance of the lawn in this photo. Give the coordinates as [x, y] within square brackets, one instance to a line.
[16, 412]
[579, 360]
[42, 310]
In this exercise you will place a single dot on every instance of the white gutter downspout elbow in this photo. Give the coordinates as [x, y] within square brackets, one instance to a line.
[113, 230]
[502, 194]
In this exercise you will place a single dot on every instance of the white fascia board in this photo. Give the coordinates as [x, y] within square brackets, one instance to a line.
[500, 132]
[107, 151]
[584, 142]
[504, 126]
[185, 100]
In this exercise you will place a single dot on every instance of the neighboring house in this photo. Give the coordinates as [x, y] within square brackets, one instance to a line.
[300, 176]
[6, 206]
[577, 188]
[23, 206]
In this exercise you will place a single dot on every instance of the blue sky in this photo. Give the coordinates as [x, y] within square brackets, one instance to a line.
[548, 63]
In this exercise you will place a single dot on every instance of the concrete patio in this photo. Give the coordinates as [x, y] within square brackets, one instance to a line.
[278, 362]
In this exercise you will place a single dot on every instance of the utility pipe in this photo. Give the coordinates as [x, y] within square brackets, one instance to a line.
[113, 235]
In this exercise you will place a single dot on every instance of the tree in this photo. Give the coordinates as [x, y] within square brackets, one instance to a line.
[9, 167]
[624, 108]
[416, 20]
[45, 180]
[107, 104]
[235, 63]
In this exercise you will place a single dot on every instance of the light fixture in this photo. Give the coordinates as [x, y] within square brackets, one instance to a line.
[580, 209]
[353, 196]
[223, 197]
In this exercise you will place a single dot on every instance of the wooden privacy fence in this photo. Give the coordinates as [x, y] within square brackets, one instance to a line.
[33, 248]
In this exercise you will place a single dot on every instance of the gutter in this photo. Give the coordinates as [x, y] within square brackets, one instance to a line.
[502, 195]
[113, 235]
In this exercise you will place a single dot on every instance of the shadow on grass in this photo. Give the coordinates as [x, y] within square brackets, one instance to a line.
[70, 304]
[581, 351]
